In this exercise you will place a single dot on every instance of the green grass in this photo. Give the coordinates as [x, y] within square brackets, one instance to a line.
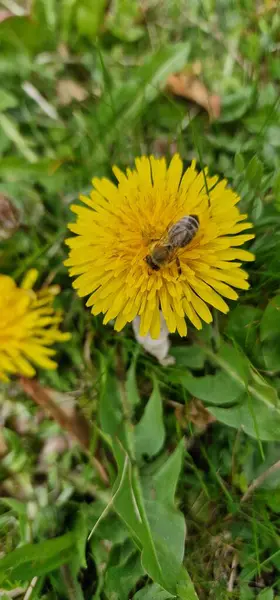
[175, 471]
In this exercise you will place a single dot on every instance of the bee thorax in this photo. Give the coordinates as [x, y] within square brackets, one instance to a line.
[182, 232]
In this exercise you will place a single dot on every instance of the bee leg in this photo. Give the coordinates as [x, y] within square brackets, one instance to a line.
[178, 266]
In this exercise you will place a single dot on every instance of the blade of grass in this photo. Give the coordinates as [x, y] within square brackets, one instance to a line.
[11, 131]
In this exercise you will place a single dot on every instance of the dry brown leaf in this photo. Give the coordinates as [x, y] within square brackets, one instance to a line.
[194, 412]
[180, 414]
[68, 417]
[68, 90]
[187, 85]
[72, 421]
[198, 414]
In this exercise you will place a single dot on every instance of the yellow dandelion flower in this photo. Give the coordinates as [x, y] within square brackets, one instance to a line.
[29, 325]
[122, 225]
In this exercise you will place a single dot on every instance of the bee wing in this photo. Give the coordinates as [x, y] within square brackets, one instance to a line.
[163, 240]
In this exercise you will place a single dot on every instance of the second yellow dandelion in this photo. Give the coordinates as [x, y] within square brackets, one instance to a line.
[29, 326]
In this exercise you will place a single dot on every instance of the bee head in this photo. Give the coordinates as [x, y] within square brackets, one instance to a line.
[151, 263]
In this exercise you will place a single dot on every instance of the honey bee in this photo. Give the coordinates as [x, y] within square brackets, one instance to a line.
[179, 235]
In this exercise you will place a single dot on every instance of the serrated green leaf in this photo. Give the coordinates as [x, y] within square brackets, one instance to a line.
[227, 385]
[152, 592]
[110, 408]
[167, 524]
[257, 410]
[257, 413]
[81, 531]
[149, 432]
[252, 170]
[271, 354]
[165, 520]
[192, 356]
[257, 209]
[235, 105]
[158, 560]
[270, 322]
[234, 362]
[256, 465]
[213, 389]
[246, 593]
[266, 594]
[243, 324]
[32, 560]
[169, 471]
[121, 578]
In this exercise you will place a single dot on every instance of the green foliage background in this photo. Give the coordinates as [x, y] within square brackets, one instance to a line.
[172, 520]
